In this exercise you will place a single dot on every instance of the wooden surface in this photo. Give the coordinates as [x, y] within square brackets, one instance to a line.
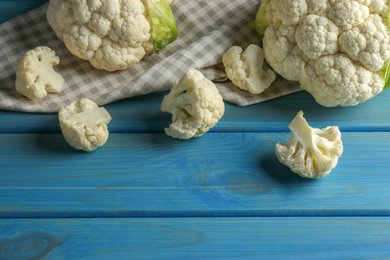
[224, 195]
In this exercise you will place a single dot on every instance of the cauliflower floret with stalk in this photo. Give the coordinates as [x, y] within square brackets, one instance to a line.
[113, 35]
[247, 69]
[84, 124]
[195, 104]
[310, 152]
[35, 75]
[339, 51]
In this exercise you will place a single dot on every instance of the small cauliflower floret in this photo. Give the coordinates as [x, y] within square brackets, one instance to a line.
[35, 75]
[84, 124]
[195, 104]
[113, 35]
[247, 70]
[310, 152]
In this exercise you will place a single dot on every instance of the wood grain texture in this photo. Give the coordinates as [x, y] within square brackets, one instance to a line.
[217, 174]
[194, 238]
[143, 114]
[224, 195]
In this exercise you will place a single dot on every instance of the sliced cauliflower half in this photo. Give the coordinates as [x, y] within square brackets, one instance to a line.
[35, 75]
[195, 104]
[310, 152]
[247, 69]
[112, 34]
[84, 124]
[313, 42]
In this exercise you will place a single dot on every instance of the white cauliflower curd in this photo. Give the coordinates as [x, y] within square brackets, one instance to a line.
[195, 104]
[112, 34]
[247, 69]
[35, 75]
[310, 152]
[84, 124]
[338, 50]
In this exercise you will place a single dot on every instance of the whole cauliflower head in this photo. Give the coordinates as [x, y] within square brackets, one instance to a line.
[310, 152]
[195, 104]
[338, 50]
[35, 75]
[112, 34]
[84, 124]
[247, 69]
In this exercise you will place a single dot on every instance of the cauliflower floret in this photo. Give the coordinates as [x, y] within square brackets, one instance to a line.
[380, 7]
[35, 75]
[112, 35]
[310, 152]
[247, 69]
[195, 104]
[335, 80]
[84, 124]
[318, 7]
[347, 14]
[368, 43]
[317, 36]
[283, 53]
[288, 12]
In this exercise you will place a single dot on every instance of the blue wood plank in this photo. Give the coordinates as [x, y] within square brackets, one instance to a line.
[217, 174]
[142, 114]
[188, 238]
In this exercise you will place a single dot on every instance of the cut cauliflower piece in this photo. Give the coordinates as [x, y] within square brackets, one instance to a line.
[310, 152]
[84, 124]
[247, 70]
[35, 75]
[326, 35]
[195, 104]
[112, 35]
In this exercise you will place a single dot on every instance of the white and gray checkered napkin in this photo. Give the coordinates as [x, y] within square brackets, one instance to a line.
[207, 29]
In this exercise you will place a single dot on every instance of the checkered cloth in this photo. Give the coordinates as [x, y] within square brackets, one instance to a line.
[207, 29]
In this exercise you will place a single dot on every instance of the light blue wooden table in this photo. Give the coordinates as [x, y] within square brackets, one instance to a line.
[221, 196]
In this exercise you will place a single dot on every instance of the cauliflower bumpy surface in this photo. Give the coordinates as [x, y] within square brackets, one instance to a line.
[112, 35]
[310, 152]
[338, 50]
[35, 75]
[195, 104]
[84, 124]
[247, 69]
